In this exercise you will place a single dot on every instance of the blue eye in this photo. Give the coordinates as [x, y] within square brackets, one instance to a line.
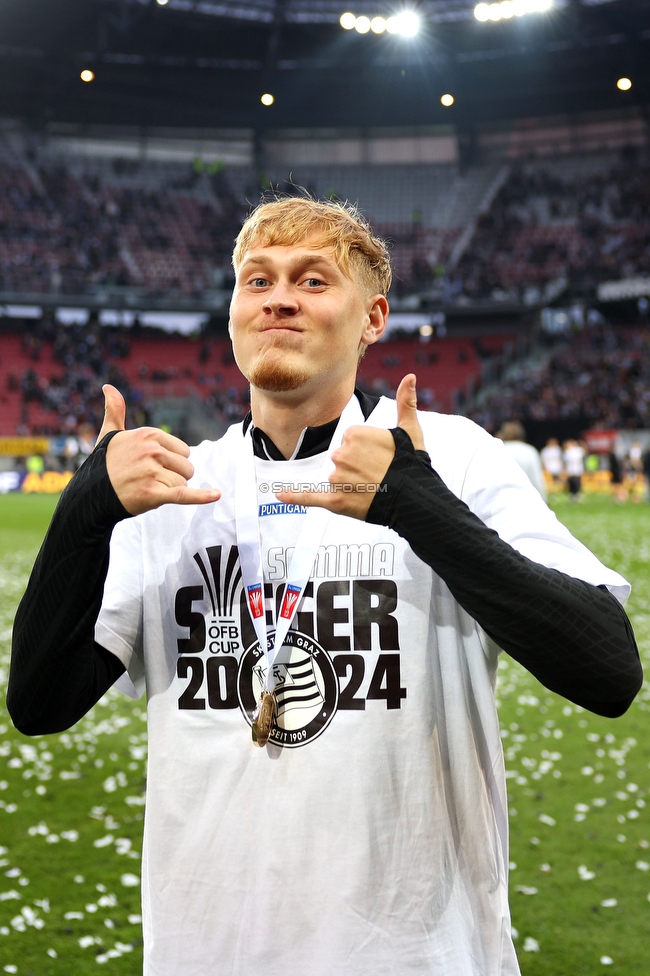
[260, 282]
[314, 282]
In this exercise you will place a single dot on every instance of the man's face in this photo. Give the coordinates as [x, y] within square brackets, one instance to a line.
[297, 321]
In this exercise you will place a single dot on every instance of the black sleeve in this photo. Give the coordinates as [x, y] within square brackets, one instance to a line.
[573, 636]
[57, 670]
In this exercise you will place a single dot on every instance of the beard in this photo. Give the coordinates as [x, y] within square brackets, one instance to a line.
[274, 376]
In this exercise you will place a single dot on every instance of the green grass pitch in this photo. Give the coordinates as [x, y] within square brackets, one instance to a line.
[71, 805]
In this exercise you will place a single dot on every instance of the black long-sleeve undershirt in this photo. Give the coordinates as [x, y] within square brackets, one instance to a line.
[573, 636]
[57, 670]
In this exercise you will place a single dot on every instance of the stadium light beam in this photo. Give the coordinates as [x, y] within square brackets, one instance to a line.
[447, 100]
[362, 24]
[347, 21]
[162, 3]
[87, 75]
[623, 84]
[378, 25]
[267, 99]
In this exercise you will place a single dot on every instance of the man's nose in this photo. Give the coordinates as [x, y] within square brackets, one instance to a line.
[282, 300]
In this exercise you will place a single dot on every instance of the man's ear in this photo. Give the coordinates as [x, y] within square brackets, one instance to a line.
[377, 319]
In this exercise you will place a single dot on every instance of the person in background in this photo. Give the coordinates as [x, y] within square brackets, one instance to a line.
[551, 455]
[634, 467]
[527, 457]
[645, 461]
[616, 480]
[574, 465]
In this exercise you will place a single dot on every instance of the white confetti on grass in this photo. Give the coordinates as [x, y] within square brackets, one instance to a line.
[545, 819]
[609, 903]
[606, 960]
[585, 874]
[130, 880]
[526, 890]
[530, 944]
[104, 841]
[642, 866]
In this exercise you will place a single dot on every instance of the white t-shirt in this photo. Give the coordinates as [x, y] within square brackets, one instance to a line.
[373, 840]
[552, 459]
[574, 461]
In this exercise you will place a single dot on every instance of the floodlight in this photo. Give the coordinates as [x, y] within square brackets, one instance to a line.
[362, 25]
[447, 100]
[267, 98]
[408, 23]
[347, 21]
[378, 25]
[87, 75]
[624, 84]
[392, 25]
[162, 2]
[494, 11]
[481, 11]
[426, 330]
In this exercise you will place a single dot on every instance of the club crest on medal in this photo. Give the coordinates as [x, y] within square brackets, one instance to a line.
[305, 689]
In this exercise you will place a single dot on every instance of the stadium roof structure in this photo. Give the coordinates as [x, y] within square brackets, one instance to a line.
[205, 63]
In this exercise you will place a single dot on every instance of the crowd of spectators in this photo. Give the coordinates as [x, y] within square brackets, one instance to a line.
[71, 400]
[601, 377]
[543, 226]
[67, 230]
[66, 234]
[88, 356]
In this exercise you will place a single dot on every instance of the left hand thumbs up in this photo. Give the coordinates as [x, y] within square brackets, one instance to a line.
[407, 404]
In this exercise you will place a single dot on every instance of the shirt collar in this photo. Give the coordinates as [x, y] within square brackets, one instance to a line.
[312, 441]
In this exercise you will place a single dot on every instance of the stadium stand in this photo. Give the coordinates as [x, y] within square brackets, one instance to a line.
[51, 375]
[598, 378]
[75, 224]
[71, 224]
[581, 218]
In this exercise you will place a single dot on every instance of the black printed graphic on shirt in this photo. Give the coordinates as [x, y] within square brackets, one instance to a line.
[341, 653]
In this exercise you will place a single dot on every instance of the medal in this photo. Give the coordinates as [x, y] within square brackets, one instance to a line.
[263, 718]
[299, 571]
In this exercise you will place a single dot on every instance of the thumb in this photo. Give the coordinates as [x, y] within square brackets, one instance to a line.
[114, 411]
[407, 404]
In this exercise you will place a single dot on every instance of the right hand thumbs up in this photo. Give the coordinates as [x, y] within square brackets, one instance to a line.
[147, 466]
[114, 411]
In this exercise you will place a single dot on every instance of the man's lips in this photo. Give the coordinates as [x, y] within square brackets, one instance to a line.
[280, 328]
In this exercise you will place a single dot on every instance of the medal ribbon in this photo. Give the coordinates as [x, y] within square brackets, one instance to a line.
[309, 539]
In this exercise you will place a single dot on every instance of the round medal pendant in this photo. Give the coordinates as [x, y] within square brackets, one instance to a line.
[263, 718]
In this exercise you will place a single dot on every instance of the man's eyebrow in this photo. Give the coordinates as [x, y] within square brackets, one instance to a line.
[301, 260]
